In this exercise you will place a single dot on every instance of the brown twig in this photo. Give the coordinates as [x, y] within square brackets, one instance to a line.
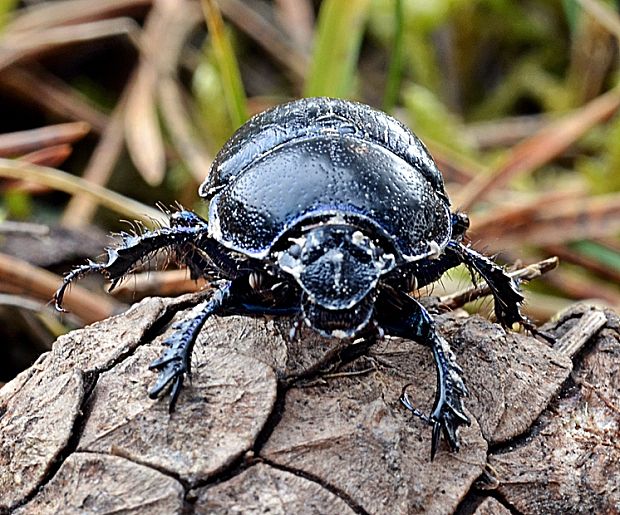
[268, 36]
[17, 143]
[68, 12]
[455, 166]
[41, 88]
[165, 283]
[179, 24]
[566, 254]
[548, 221]
[506, 131]
[574, 340]
[81, 208]
[155, 84]
[575, 285]
[603, 14]
[52, 156]
[31, 229]
[297, 18]
[142, 132]
[71, 184]
[541, 148]
[17, 47]
[49, 156]
[191, 151]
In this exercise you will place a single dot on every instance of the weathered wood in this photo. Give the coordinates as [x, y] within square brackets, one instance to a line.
[254, 432]
[216, 421]
[265, 489]
[571, 461]
[100, 483]
[35, 429]
[491, 507]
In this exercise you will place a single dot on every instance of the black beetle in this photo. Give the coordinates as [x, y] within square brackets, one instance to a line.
[329, 211]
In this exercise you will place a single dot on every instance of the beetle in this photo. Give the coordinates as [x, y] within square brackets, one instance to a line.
[331, 212]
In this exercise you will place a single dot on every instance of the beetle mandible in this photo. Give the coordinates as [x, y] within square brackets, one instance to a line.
[328, 211]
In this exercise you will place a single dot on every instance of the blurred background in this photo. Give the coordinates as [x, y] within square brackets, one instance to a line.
[110, 108]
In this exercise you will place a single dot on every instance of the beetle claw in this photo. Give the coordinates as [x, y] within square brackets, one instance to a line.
[136, 248]
[406, 402]
[173, 366]
[435, 438]
[174, 392]
[447, 418]
[73, 275]
[175, 362]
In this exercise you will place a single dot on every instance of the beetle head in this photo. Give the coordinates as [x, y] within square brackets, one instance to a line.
[337, 267]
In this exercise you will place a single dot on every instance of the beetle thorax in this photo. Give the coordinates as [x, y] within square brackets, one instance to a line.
[337, 267]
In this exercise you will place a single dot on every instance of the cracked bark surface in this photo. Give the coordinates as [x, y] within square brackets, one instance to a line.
[79, 434]
[265, 489]
[491, 507]
[570, 463]
[122, 486]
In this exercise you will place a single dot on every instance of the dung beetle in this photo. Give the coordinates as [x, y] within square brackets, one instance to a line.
[330, 212]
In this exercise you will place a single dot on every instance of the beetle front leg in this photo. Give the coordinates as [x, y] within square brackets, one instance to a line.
[417, 275]
[506, 295]
[135, 248]
[175, 362]
[415, 322]
[448, 412]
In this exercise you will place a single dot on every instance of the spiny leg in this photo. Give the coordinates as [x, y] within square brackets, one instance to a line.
[231, 298]
[422, 273]
[175, 362]
[77, 273]
[414, 322]
[135, 248]
[448, 412]
[506, 295]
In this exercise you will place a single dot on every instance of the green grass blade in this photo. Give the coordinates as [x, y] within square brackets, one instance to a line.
[336, 47]
[234, 93]
[392, 87]
[571, 11]
[600, 253]
[6, 9]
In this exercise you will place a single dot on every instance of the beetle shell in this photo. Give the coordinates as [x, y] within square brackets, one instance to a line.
[321, 158]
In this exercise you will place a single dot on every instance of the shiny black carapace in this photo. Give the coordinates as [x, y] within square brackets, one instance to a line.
[330, 212]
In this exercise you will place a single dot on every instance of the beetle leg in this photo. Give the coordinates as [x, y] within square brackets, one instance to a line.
[135, 248]
[175, 362]
[232, 297]
[448, 412]
[414, 322]
[77, 273]
[506, 294]
[420, 274]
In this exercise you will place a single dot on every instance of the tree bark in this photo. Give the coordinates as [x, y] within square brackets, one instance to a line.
[253, 432]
